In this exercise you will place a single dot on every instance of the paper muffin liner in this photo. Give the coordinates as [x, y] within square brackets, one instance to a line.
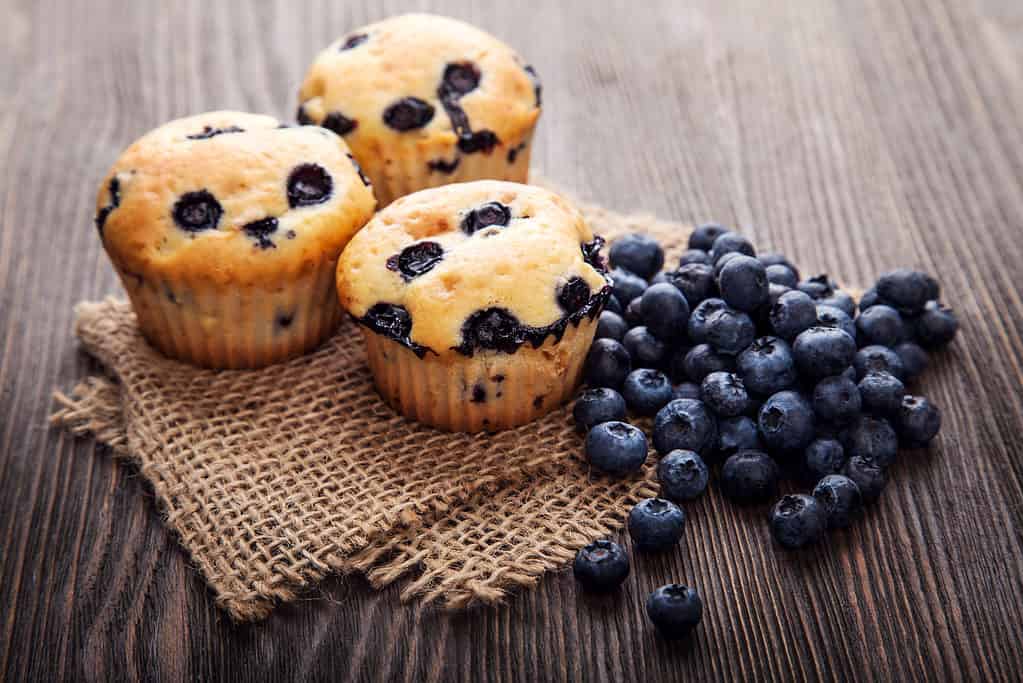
[488, 391]
[395, 170]
[240, 326]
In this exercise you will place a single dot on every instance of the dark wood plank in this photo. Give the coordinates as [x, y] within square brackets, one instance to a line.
[853, 136]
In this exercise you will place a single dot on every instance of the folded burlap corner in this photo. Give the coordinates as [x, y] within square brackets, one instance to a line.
[273, 478]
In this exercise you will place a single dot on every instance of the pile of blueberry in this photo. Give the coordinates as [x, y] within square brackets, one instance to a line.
[752, 372]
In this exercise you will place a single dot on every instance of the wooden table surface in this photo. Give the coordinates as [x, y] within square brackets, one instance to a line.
[854, 136]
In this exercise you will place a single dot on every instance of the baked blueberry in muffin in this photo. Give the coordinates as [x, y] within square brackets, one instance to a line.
[423, 101]
[478, 302]
[225, 229]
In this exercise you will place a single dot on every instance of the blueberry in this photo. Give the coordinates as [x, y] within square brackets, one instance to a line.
[419, 258]
[798, 520]
[773, 259]
[694, 256]
[823, 351]
[918, 421]
[743, 283]
[683, 475]
[197, 211]
[491, 328]
[737, 434]
[774, 292]
[601, 566]
[837, 399]
[701, 360]
[208, 132]
[877, 359]
[786, 422]
[646, 350]
[598, 405]
[840, 497]
[573, 294]
[729, 331]
[881, 393]
[686, 390]
[699, 320]
[818, 287]
[829, 316]
[684, 424]
[767, 366]
[339, 123]
[724, 393]
[309, 184]
[408, 113]
[913, 357]
[607, 364]
[614, 305]
[723, 261]
[646, 391]
[676, 367]
[665, 311]
[616, 447]
[656, 524]
[611, 326]
[261, 231]
[460, 78]
[823, 457]
[627, 286]
[675, 610]
[880, 325]
[781, 275]
[353, 41]
[905, 289]
[840, 300]
[936, 326]
[793, 313]
[750, 478]
[484, 216]
[869, 298]
[638, 254]
[703, 237]
[729, 242]
[659, 278]
[872, 438]
[868, 476]
[634, 312]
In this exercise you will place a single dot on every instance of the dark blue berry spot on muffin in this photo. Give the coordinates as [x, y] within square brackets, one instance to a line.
[394, 322]
[339, 123]
[479, 393]
[352, 41]
[573, 295]
[538, 401]
[408, 113]
[358, 169]
[303, 118]
[491, 213]
[419, 258]
[460, 78]
[197, 211]
[513, 153]
[309, 184]
[284, 320]
[443, 166]
[591, 254]
[211, 132]
[537, 85]
[492, 328]
[114, 190]
[261, 230]
[478, 141]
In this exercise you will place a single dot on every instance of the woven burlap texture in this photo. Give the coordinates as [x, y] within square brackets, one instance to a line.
[273, 478]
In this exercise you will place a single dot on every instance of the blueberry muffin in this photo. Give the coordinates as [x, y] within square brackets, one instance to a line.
[424, 101]
[478, 302]
[225, 229]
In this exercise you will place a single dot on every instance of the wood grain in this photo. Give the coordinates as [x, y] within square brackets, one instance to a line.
[854, 136]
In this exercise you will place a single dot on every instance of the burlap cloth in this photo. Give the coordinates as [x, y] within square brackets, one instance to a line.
[273, 478]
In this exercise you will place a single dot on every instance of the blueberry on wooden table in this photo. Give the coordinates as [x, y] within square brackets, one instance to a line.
[840, 497]
[683, 475]
[876, 358]
[601, 566]
[704, 235]
[646, 391]
[655, 524]
[793, 313]
[881, 325]
[870, 477]
[834, 317]
[786, 422]
[743, 283]
[881, 393]
[918, 421]
[685, 424]
[665, 311]
[675, 610]
[766, 366]
[936, 326]
[750, 477]
[724, 393]
[627, 285]
[798, 520]
[823, 351]
[730, 242]
[607, 364]
[701, 360]
[823, 457]
[736, 434]
[646, 350]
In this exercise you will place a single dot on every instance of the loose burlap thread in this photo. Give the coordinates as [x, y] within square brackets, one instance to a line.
[273, 478]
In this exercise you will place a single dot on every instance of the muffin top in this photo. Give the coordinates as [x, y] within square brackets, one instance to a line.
[421, 77]
[486, 265]
[232, 197]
